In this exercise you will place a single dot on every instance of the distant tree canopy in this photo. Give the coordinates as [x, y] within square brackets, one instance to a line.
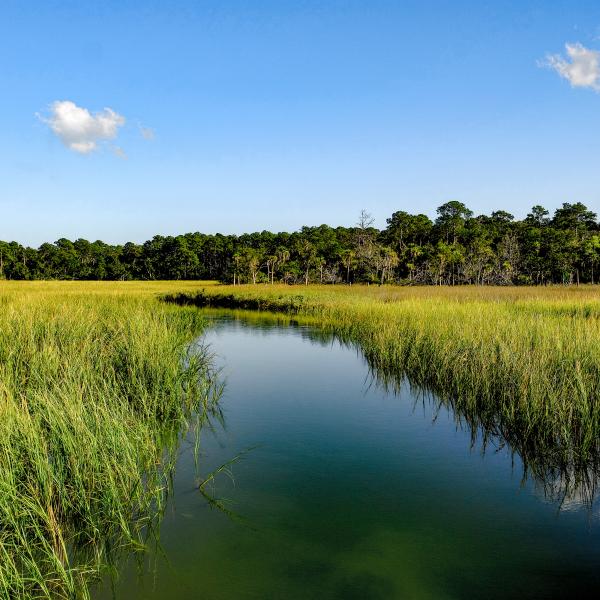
[456, 248]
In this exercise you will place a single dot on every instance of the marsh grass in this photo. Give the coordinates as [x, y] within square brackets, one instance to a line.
[96, 385]
[520, 365]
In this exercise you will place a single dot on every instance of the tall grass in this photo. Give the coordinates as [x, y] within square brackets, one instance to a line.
[519, 364]
[95, 384]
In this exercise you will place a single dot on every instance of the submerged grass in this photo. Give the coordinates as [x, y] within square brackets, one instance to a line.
[95, 385]
[521, 364]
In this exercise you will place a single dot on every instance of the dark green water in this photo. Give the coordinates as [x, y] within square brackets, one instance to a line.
[353, 492]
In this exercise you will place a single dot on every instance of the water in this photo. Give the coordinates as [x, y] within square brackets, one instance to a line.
[352, 492]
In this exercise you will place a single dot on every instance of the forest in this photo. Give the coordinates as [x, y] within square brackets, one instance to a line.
[456, 248]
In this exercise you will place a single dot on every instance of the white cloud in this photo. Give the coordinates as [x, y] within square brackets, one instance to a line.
[78, 129]
[581, 69]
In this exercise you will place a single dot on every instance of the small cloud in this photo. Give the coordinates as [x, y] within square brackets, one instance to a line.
[78, 129]
[581, 69]
[120, 152]
[146, 132]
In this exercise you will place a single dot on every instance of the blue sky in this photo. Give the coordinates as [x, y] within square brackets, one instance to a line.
[271, 115]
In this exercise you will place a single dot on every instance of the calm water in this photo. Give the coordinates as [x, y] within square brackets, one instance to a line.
[353, 492]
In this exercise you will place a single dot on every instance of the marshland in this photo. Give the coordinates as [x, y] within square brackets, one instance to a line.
[141, 418]
[523, 364]
[299, 300]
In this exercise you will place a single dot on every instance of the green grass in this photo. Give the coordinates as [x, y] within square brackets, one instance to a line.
[96, 384]
[519, 364]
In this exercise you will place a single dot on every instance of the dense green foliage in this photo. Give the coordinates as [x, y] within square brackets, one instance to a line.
[456, 248]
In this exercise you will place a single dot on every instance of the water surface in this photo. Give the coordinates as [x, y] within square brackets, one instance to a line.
[351, 491]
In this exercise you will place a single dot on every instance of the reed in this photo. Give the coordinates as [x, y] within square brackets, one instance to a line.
[96, 384]
[519, 364]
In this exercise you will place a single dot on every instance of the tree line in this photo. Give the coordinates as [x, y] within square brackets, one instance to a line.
[454, 249]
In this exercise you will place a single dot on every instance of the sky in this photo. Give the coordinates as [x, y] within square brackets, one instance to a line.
[123, 120]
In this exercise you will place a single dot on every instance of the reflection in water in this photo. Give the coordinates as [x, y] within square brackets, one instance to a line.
[565, 482]
[202, 389]
[352, 493]
[561, 480]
